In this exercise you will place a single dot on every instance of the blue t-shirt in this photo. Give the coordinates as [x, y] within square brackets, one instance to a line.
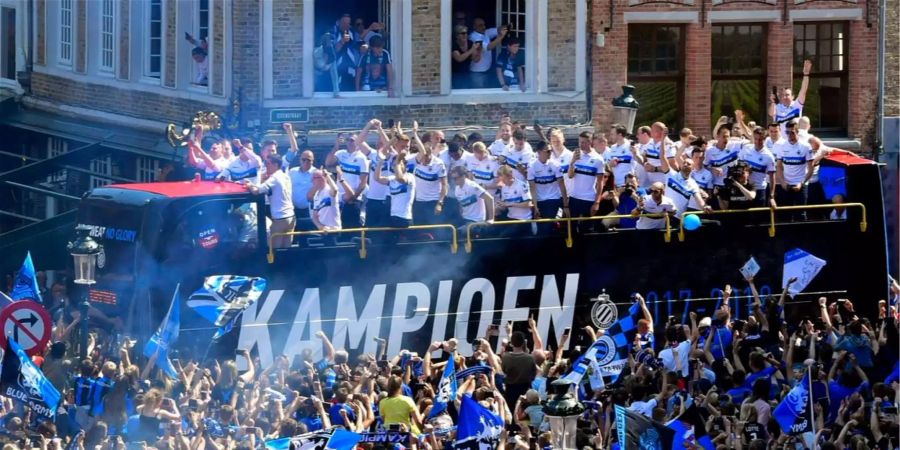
[838, 393]
[335, 413]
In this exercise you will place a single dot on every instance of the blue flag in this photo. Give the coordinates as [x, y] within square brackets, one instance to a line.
[478, 426]
[610, 351]
[22, 381]
[223, 298]
[446, 392]
[26, 282]
[343, 440]
[794, 413]
[166, 336]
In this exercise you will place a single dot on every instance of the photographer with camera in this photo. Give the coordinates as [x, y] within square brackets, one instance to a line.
[738, 191]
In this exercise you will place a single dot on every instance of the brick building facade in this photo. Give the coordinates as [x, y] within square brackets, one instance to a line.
[691, 60]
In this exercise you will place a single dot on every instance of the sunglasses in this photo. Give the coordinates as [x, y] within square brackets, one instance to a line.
[462, 32]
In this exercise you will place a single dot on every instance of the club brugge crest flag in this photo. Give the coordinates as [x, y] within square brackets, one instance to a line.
[446, 389]
[22, 381]
[223, 298]
[794, 413]
[479, 428]
[26, 282]
[639, 432]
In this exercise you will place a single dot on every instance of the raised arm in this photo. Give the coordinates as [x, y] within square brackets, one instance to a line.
[804, 85]
[326, 343]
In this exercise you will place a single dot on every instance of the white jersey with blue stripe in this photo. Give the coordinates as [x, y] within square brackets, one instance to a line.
[761, 162]
[587, 169]
[516, 193]
[786, 113]
[378, 191]
[483, 171]
[722, 159]
[402, 195]
[794, 157]
[240, 170]
[703, 177]
[354, 165]
[471, 203]
[428, 179]
[546, 180]
[621, 154]
[515, 157]
[564, 159]
[682, 191]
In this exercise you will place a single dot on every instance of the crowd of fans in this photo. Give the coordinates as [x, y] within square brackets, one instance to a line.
[387, 176]
[733, 371]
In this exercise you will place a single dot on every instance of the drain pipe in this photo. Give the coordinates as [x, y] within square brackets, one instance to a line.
[879, 113]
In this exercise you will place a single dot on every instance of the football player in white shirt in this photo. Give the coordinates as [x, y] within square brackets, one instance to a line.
[656, 150]
[377, 206]
[588, 174]
[795, 164]
[518, 156]
[431, 183]
[211, 163]
[788, 108]
[621, 156]
[402, 187]
[721, 155]
[682, 189]
[475, 203]
[699, 173]
[654, 203]
[245, 166]
[278, 188]
[325, 210]
[643, 141]
[455, 155]
[762, 167]
[774, 137]
[548, 190]
[504, 139]
[515, 200]
[355, 172]
[483, 167]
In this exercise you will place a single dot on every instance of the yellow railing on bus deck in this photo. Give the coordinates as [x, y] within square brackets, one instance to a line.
[863, 224]
[454, 242]
[667, 236]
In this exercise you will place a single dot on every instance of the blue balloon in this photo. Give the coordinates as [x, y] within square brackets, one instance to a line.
[691, 222]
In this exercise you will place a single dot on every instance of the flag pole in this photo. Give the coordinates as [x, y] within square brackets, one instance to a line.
[812, 410]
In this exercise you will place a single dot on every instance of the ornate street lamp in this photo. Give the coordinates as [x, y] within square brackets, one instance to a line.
[563, 411]
[84, 251]
[625, 108]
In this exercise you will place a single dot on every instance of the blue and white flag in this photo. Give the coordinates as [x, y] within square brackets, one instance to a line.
[638, 431]
[343, 440]
[26, 282]
[794, 413]
[802, 265]
[474, 370]
[22, 381]
[166, 336]
[610, 351]
[223, 298]
[446, 392]
[478, 426]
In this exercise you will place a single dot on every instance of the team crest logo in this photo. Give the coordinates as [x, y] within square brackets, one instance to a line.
[604, 312]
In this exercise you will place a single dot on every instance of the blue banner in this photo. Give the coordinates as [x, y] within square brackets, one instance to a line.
[478, 426]
[446, 392]
[26, 282]
[166, 336]
[223, 298]
[343, 440]
[794, 413]
[472, 371]
[22, 381]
